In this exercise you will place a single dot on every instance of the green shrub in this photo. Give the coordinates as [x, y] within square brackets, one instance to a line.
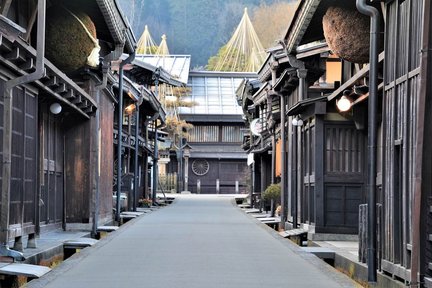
[273, 192]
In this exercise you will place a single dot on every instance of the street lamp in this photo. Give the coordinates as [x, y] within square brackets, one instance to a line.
[186, 154]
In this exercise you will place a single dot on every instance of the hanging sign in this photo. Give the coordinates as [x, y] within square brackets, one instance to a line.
[257, 126]
[250, 159]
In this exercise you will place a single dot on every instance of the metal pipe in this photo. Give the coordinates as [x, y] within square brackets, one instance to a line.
[283, 184]
[372, 135]
[422, 168]
[155, 164]
[119, 134]
[7, 121]
[136, 175]
[155, 76]
[294, 177]
[274, 65]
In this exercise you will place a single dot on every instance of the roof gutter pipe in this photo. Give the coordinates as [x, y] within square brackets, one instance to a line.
[373, 13]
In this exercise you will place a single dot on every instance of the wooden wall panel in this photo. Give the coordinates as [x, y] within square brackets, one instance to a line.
[78, 171]
[107, 154]
[400, 132]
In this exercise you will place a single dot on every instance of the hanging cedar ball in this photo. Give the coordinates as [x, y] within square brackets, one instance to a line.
[347, 34]
[67, 42]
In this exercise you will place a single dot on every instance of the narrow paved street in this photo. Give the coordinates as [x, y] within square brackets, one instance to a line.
[199, 241]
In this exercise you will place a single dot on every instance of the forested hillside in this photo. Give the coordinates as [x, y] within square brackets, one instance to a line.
[196, 27]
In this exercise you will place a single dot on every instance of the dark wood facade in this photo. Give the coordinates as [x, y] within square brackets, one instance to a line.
[404, 27]
[327, 156]
[54, 160]
[216, 136]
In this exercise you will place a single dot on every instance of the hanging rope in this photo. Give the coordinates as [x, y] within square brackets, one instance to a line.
[244, 51]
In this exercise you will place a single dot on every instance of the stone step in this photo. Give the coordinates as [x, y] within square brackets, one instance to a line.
[20, 269]
[132, 213]
[79, 243]
[107, 228]
[293, 232]
[321, 252]
[251, 211]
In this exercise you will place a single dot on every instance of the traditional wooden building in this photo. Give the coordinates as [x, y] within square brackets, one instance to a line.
[57, 117]
[140, 97]
[216, 161]
[328, 176]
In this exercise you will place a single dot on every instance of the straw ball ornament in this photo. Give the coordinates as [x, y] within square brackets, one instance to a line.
[70, 39]
[347, 34]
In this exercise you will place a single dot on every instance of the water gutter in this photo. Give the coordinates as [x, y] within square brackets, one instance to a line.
[128, 60]
[7, 130]
[373, 13]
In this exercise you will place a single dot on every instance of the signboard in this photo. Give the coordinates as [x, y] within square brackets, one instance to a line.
[257, 126]
[250, 159]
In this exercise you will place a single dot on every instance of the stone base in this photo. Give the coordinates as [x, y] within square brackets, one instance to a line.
[331, 237]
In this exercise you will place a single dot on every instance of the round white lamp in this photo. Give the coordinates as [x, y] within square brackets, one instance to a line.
[55, 108]
[344, 104]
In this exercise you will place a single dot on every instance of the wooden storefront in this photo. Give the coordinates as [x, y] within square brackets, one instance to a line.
[55, 156]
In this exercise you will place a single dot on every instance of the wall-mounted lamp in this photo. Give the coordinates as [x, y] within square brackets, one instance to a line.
[130, 109]
[55, 108]
[297, 121]
[345, 102]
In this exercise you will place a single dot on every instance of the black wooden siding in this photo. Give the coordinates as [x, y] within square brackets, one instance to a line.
[24, 161]
[344, 176]
[403, 36]
[227, 171]
[52, 191]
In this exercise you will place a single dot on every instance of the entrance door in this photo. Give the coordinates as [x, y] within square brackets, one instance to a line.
[52, 190]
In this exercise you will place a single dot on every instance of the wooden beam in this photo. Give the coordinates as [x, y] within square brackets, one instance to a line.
[70, 94]
[83, 104]
[76, 100]
[31, 22]
[5, 8]
[88, 110]
[360, 74]
[62, 88]
[13, 54]
[53, 81]
[28, 65]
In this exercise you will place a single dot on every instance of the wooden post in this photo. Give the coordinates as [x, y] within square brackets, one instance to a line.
[362, 233]
[198, 186]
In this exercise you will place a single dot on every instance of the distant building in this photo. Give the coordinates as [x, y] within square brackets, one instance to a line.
[217, 163]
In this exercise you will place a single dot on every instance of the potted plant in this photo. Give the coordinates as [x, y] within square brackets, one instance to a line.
[144, 202]
[272, 194]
